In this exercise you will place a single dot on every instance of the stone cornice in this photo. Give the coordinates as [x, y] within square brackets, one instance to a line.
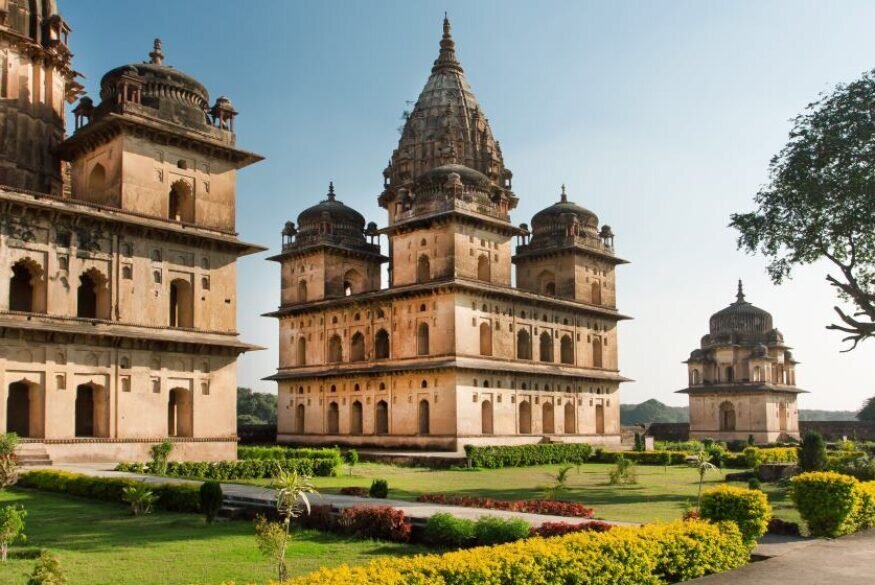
[293, 252]
[740, 388]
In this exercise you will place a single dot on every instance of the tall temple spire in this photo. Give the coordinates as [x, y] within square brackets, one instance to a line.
[740, 294]
[447, 57]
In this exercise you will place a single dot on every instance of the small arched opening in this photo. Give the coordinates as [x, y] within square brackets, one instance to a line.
[352, 282]
[381, 345]
[547, 283]
[97, 181]
[486, 420]
[92, 296]
[484, 268]
[424, 417]
[525, 417]
[357, 347]
[335, 349]
[180, 202]
[300, 418]
[485, 339]
[546, 342]
[422, 339]
[180, 413]
[302, 351]
[355, 418]
[423, 269]
[181, 309]
[727, 416]
[569, 425]
[548, 419]
[333, 418]
[381, 418]
[596, 293]
[523, 345]
[302, 291]
[566, 350]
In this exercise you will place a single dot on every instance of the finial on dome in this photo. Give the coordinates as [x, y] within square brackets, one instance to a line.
[740, 294]
[157, 55]
[447, 57]
[331, 191]
[564, 196]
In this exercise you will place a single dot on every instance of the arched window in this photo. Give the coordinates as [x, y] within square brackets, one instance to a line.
[550, 289]
[335, 349]
[333, 418]
[24, 286]
[596, 293]
[381, 345]
[97, 179]
[423, 269]
[352, 282]
[546, 354]
[424, 417]
[355, 418]
[600, 419]
[181, 304]
[382, 418]
[525, 417]
[523, 345]
[569, 417]
[548, 420]
[727, 416]
[566, 350]
[302, 291]
[484, 268]
[596, 352]
[357, 347]
[92, 297]
[300, 418]
[695, 378]
[486, 417]
[547, 283]
[25, 410]
[302, 351]
[485, 339]
[422, 341]
[180, 203]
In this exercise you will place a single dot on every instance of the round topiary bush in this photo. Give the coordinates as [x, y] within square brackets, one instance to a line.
[833, 504]
[749, 509]
[211, 499]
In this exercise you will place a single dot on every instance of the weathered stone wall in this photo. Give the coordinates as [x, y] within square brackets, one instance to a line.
[756, 414]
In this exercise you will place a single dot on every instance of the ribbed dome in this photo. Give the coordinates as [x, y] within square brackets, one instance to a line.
[740, 317]
[332, 218]
[546, 220]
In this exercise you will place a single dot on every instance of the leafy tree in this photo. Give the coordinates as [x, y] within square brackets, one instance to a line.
[812, 453]
[47, 571]
[820, 202]
[257, 408]
[8, 464]
[868, 411]
[11, 527]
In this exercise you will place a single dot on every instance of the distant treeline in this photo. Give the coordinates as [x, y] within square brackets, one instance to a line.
[653, 410]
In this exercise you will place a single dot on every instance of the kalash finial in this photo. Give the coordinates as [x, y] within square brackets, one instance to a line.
[331, 191]
[157, 55]
[740, 294]
[564, 197]
[447, 57]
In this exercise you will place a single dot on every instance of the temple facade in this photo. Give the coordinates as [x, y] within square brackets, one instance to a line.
[118, 250]
[742, 379]
[455, 349]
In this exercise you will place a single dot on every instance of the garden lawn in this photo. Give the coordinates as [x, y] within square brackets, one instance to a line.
[101, 544]
[660, 494]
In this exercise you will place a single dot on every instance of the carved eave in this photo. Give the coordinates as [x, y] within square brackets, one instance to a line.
[525, 252]
[110, 125]
[348, 251]
[57, 55]
[97, 332]
[59, 210]
[502, 293]
[740, 388]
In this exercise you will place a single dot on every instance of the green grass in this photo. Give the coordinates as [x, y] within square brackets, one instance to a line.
[101, 544]
[660, 494]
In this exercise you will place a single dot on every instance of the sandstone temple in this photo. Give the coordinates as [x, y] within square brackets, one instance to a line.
[118, 252]
[742, 381]
[455, 350]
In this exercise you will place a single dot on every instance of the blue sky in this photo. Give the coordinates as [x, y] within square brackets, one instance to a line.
[659, 116]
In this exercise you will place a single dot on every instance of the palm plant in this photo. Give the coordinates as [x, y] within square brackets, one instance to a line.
[701, 461]
[140, 497]
[291, 502]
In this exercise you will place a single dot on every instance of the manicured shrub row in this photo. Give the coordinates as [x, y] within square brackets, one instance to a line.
[642, 457]
[753, 457]
[171, 497]
[378, 522]
[833, 504]
[548, 507]
[860, 466]
[445, 530]
[548, 529]
[361, 492]
[245, 469]
[748, 508]
[649, 555]
[526, 455]
[244, 452]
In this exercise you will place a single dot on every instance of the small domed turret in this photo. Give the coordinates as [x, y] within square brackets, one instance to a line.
[330, 219]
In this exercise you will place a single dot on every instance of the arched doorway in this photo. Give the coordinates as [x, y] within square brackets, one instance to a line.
[596, 352]
[566, 350]
[600, 419]
[569, 417]
[180, 204]
[424, 417]
[523, 345]
[181, 304]
[486, 417]
[357, 347]
[548, 420]
[180, 419]
[91, 414]
[485, 339]
[727, 416]
[381, 345]
[335, 349]
[302, 351]
[25, 410]
[300, 418]
[596, 293]
[423, 269]
[483, 268]
[356, 418]
[382, 418]
[525, 418]
[24, 287]
[333, 418]
[302, 291]
[422, 340]
[546, 354]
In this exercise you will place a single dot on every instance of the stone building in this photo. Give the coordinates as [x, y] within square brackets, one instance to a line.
[118, 301]
[742, 381]
[451, 352]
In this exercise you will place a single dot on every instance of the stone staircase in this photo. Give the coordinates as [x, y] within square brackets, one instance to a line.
[32, 454]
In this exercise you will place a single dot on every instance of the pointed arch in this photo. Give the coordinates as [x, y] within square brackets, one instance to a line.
[727, 416]
[381, 418]
[381, 345]
[25, 410]
[26, 287]
[352, 282]
[357, 347]
[422, 339]
[525, 417]
[596, 293]
[485, 339]
[333, 418]
[355, 418]
[484, 268]
[548, 418]
[423, 269]
[97, 179]
[569, 426]
[181, 306]
[596, 352]
[546, 347]
[92, 295]
[600, 419]
[302, 351]
[300, 419]
[302, 291]
[566, 350]
[180, 202]
[424, 417]
[486, 418]
[335, 349]
[523, 345]
[547, 283]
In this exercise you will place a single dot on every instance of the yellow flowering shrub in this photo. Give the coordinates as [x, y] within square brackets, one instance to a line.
[648, 555]
[833, 504]
[749, 509]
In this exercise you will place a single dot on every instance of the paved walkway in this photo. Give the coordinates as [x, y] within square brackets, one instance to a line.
[414, 510]
[848, 560]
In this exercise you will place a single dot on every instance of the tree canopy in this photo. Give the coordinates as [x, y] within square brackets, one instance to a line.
[820, 202]
[868, 411]
[255, 407]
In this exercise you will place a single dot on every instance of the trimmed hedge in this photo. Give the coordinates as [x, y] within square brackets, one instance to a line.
[642, 457]
[749, 509]
[245, 469]
[273, 453]
[378, 522]
[171, 497]
[526, 455]
[548, 507]
[648, 555]
[548, 529]
[833, 504]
